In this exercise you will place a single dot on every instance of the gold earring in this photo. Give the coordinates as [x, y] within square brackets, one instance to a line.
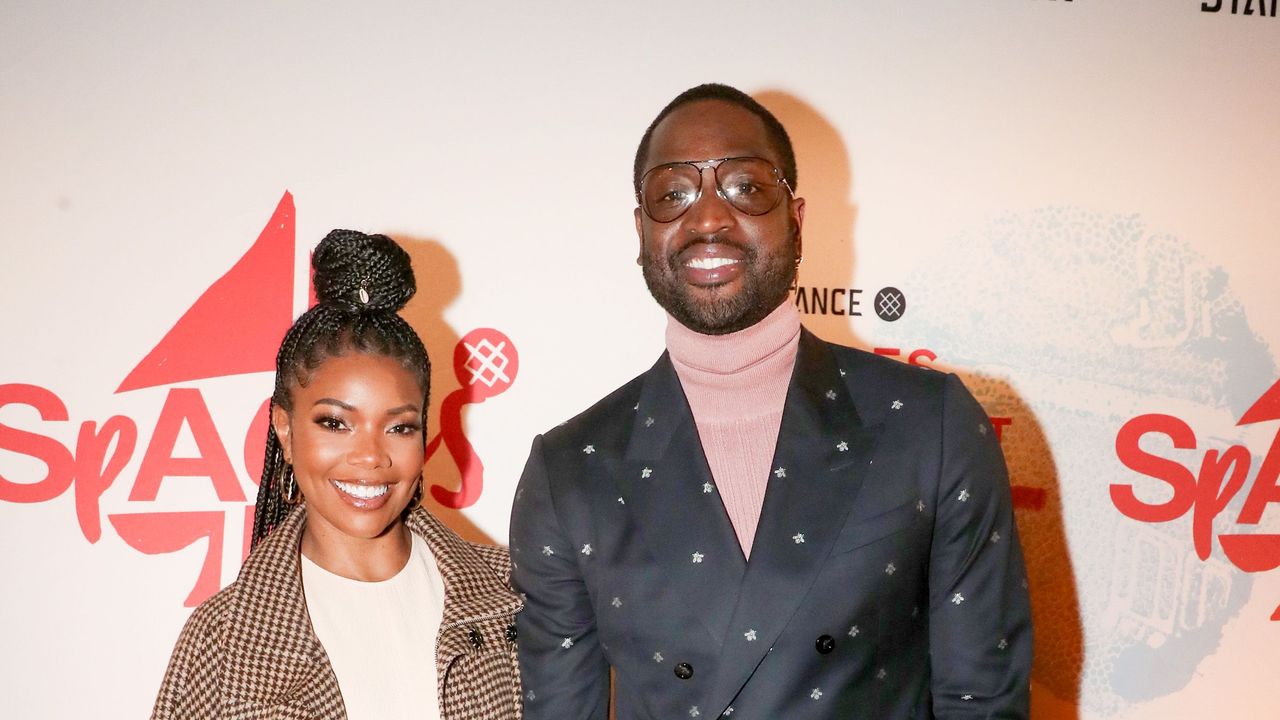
[290, 493]
[416, 501]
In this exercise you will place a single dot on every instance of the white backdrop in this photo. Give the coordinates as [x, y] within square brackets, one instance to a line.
[1077, 199]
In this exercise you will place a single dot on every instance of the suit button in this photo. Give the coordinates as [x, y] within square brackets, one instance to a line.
[511, 633]
[684, 671]
[474, 637]
[825, 644]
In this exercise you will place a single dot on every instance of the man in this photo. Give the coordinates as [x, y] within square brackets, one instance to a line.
[763, 525]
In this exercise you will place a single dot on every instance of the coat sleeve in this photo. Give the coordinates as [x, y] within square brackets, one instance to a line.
[189, 689]
[979, 610]
[563, 671]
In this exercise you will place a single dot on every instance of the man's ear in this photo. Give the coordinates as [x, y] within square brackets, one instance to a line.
[280, 422]
[639, 233]
[797, 216]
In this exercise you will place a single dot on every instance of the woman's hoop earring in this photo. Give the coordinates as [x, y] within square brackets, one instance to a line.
[416, 501]
[290, 493]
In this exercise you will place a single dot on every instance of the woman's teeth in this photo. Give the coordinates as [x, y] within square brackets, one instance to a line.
[364, 492]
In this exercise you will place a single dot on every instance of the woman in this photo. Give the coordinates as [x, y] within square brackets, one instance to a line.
[355, 601]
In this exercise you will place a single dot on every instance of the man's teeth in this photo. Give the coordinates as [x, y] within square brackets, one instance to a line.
[364, 492]
[709, 263]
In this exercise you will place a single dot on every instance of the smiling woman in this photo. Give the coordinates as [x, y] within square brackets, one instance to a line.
[355, 602]
[354, 441]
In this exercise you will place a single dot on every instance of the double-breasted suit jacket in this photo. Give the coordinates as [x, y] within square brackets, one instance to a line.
[250, 651]
[885, 579]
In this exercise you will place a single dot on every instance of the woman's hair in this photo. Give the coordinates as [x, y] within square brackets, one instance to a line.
[360, 282]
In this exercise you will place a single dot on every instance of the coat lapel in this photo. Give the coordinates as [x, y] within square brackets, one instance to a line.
[822, 443]
[667, 486]
[273, 656]
[473, 592]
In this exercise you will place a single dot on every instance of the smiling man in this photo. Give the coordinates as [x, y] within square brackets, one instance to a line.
[763, 525]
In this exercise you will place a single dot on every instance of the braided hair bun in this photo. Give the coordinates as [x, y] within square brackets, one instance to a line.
[361, 273]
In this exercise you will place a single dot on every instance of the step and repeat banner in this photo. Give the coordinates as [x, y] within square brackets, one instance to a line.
[1070, 203]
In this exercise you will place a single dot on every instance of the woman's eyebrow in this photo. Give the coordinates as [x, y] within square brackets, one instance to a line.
[334, 401]
[407, 407]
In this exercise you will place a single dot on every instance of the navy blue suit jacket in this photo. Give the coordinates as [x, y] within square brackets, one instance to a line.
[885, 579]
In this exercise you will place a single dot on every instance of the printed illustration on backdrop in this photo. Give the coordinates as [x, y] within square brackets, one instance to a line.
[1086, 322]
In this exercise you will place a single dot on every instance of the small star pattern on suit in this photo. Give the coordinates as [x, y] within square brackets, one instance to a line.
[924, 537]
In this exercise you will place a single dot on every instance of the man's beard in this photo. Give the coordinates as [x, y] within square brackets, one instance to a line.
[765, 283]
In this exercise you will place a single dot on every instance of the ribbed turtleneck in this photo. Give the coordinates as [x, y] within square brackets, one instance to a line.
[736, 385]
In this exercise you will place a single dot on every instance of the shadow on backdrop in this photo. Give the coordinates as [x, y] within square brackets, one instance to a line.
[824, 178]
[439, 284]
[826, 182]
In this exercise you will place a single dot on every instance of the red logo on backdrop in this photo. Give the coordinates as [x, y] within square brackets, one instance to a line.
[233, 328]
[485, 363]
[1206, 493]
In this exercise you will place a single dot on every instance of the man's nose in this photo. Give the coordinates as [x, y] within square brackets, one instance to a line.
[710, 213]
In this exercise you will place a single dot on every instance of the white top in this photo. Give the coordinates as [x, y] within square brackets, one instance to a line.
[381, 636]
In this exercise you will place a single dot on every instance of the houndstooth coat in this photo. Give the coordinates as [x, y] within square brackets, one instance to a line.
[250, 652]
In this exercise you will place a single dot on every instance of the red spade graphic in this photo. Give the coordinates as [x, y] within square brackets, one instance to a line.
[236, 325]
[1258, 552]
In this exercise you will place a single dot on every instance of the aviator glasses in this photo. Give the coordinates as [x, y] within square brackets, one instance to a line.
[752, 185]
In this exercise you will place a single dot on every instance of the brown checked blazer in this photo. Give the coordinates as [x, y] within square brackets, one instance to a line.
[250, 652]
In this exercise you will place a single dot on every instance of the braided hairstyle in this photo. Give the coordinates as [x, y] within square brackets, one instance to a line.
[360, 281]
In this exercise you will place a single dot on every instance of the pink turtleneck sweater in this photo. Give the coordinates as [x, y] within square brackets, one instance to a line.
[737, 385]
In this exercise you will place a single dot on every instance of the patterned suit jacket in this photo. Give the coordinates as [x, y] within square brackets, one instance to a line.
[885, 581]
[250, 652]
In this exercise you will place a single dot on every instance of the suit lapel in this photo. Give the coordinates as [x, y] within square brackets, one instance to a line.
[806, 504]
[667, 486]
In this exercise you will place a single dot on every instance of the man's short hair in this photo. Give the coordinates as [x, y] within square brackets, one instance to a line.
[715, 91]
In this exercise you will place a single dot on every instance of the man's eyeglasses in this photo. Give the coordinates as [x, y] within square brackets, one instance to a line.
[751, 185]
